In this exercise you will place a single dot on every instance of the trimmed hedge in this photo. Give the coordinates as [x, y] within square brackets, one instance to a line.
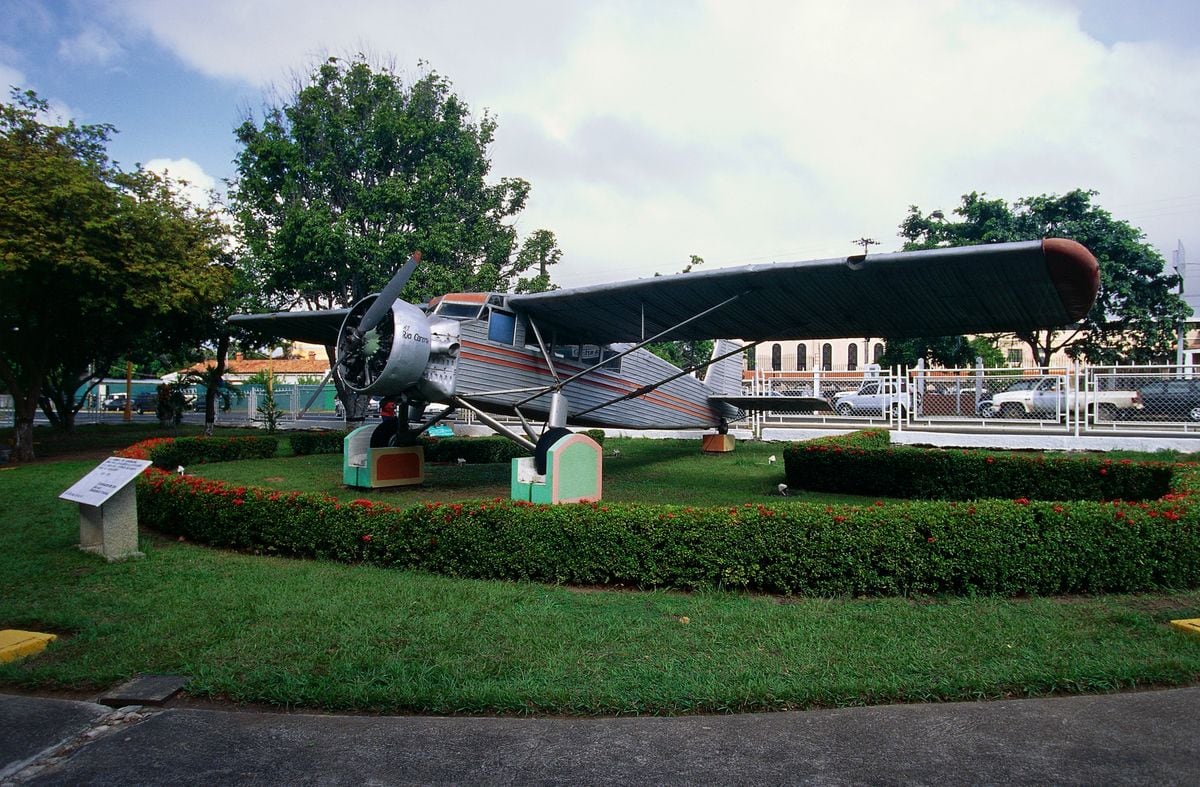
[171, 453]
[317, 442]
[1005, 547]
[862, 466]
[475, 450]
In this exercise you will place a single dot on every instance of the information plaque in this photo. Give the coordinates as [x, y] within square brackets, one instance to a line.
[105, 481]
[107, 501]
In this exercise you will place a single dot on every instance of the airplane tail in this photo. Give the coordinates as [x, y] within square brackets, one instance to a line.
[725, 376]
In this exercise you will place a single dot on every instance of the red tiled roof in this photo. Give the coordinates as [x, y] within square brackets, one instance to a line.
[248, 366]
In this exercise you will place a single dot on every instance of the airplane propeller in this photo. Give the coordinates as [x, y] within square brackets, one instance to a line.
[391, 291]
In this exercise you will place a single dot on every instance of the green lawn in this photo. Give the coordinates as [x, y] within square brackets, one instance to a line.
[324, 635]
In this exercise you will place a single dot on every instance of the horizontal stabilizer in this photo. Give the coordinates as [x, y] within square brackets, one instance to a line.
[776, 404]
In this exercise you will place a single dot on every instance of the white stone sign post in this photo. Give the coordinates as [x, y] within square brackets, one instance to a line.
[107, 501]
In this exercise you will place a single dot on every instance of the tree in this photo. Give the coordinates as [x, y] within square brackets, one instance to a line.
[94, 261]
[356, 170]
[1137, 311]
[948, 351]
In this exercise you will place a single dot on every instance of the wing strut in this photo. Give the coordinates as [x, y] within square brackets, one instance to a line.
[545, 354]
[561, 383]
[494, 424]
[645, 389]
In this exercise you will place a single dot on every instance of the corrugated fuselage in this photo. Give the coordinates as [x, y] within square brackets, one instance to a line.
[489, 372]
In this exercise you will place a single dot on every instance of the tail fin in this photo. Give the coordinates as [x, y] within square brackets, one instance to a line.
[725, 376]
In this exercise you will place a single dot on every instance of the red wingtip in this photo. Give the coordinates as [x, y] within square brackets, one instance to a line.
[1075, 273]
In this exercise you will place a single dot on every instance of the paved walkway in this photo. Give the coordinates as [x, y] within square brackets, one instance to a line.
[1135, 738]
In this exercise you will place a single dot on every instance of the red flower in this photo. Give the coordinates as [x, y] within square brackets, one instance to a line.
[366, 537]
[931, 539]
[1022, 501]
[989, 460]
[1104, 471]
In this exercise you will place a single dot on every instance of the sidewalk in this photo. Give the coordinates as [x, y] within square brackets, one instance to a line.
[1132, 738]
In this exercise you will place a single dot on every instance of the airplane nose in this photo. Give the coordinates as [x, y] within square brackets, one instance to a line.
[1075, 274]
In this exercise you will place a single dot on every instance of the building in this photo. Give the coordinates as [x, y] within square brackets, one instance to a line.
[850, 355]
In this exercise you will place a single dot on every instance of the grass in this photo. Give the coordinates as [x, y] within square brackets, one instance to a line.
[329, 636]
[663, 471]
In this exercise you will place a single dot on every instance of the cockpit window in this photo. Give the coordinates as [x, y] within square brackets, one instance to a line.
[502, 327]
[459, 311]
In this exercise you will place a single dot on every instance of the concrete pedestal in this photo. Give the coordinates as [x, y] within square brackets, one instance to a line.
[718, 443]
[110, 529]
[374, 468]
[574, 473]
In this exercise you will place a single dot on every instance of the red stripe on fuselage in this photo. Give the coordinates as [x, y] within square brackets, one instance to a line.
[516, 359]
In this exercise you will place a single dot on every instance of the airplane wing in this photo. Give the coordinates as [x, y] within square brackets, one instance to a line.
[316, 327]
[941, 292]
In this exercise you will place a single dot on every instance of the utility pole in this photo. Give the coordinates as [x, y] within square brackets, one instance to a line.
[865, 242]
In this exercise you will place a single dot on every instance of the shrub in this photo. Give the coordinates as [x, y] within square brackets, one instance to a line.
[198, 450]
[595, 434]
[995, 546]
[858, 466]
[476, 450]
[317, 442]
[999, 546]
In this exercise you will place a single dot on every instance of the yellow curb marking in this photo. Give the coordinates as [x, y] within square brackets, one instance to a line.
[15, 644]
[1188, 625]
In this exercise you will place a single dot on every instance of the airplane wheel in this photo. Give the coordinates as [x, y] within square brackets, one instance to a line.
[1010, 410]
[549, 438]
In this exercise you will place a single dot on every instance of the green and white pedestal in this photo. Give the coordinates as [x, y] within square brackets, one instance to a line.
[574, 473]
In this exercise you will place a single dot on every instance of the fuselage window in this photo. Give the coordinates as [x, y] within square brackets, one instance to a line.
[569, 352]
[502, 327]
[611, 363]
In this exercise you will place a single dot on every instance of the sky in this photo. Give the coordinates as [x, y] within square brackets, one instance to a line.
[744, 132]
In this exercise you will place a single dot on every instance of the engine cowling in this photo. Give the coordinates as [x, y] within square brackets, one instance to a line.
[389, 358]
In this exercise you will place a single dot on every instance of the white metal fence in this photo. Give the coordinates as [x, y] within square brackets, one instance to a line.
[1077, 400]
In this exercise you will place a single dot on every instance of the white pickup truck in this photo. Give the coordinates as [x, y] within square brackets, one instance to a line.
[1048, 397]
[873, 397]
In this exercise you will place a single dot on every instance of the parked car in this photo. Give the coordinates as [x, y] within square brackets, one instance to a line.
[145, 402]
[114, 403]
[873, 397]
[1174, 400]
[372, 407]
[1046, 397]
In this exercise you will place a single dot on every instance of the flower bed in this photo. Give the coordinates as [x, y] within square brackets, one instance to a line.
[1008, 547]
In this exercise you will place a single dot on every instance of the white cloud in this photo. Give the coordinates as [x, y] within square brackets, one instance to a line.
[190, 178]
[10, 77]
[744, 131]
[90, 46]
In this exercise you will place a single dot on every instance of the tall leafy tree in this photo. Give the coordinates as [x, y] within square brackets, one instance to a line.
[1138, 310]
[336, 187]
[338, 184]
[94, 261]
